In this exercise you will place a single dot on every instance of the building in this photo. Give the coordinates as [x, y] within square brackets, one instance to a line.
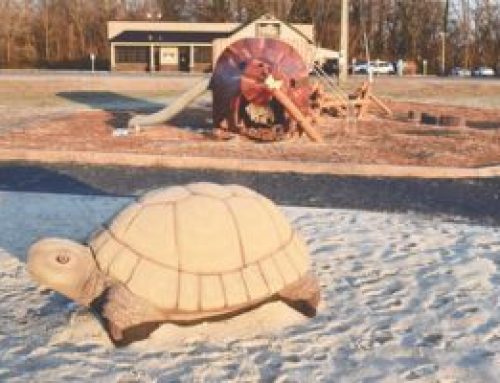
[193, 47]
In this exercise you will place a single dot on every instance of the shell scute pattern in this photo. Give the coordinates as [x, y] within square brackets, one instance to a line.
[201, 247]
[210, 190]
[165, 195]
[256, 240]
[212, 291]
[189, 292]
[207, 236]
[234, 283]
[254, 280]
[155, 283]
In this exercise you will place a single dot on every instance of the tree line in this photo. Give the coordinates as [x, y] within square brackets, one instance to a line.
[63, 33]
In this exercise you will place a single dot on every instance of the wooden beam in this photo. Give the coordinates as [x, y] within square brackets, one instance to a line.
[291, 108]
[380, 104]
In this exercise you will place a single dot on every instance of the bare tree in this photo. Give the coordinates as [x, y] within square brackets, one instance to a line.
[64, 32]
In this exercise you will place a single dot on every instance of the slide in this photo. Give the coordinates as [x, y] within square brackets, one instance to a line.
[172, 110]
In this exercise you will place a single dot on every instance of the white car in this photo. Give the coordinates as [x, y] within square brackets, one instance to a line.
[360, 67]
[382, 67]
[376, 67]
[460, 72]
[483, 71]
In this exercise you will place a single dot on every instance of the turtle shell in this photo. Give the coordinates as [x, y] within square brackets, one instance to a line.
[201, 247]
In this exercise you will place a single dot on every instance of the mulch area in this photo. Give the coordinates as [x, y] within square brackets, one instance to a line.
[375, 141]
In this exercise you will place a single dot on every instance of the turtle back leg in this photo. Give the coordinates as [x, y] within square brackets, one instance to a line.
[302, 295]
[127, 317]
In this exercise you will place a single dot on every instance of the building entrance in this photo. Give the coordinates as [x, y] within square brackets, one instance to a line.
[184, 59]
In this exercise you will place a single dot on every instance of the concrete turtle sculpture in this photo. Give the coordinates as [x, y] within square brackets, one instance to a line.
[181, 254]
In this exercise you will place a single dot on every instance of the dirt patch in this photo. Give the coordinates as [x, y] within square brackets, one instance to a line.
[376, 141]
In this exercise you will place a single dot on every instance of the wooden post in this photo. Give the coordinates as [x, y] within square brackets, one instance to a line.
[344, 42]
[364, 98]
[151, 58]
[191, 57]
[112, 57]
[443, 53]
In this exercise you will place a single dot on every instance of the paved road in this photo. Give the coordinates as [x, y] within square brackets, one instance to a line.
[47, 73]
[476, 200]
[87, 72]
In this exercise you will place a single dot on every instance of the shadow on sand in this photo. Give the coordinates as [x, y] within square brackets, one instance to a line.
[484, 125]
[476, 200]
[51, 204]
[39, 179]
[121, 108]
[110, 101]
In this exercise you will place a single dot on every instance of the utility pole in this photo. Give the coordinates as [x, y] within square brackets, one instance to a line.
[46, 27]
[443, 36]
[466, 30]
[344, 42]
[443, 53]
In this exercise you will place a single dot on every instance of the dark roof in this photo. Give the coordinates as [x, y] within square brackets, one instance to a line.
[168, 37]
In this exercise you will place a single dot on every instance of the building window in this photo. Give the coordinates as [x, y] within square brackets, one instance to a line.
[202, 55]
[268, 29]
[132, 54]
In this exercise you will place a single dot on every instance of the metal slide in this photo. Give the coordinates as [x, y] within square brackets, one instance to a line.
[172, 110]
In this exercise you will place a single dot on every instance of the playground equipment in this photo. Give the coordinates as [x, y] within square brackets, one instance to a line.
[356, 104]
[260, 90]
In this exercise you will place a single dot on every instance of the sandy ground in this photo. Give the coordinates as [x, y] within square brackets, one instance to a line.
[405, 297]
[81, 112]
[374, 141]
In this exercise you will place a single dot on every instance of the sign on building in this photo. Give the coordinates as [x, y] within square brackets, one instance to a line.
[169, 56]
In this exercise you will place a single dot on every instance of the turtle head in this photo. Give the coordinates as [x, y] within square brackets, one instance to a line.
[66, 267]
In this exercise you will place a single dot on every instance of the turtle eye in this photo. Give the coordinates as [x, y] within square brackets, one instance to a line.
[62, 258]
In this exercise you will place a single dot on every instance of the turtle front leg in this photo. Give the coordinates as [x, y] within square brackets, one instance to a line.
[127, 317]
[302, 295]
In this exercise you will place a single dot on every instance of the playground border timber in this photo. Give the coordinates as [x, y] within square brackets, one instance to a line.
[244, 165]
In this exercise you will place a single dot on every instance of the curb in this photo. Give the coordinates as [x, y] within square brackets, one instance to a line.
[246, 165]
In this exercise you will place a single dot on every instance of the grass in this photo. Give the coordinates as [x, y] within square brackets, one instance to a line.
[47, 98]
[49, 92]
[45, 91]
[459, 92]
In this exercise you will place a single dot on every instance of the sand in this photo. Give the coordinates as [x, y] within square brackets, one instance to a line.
[405, 297]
